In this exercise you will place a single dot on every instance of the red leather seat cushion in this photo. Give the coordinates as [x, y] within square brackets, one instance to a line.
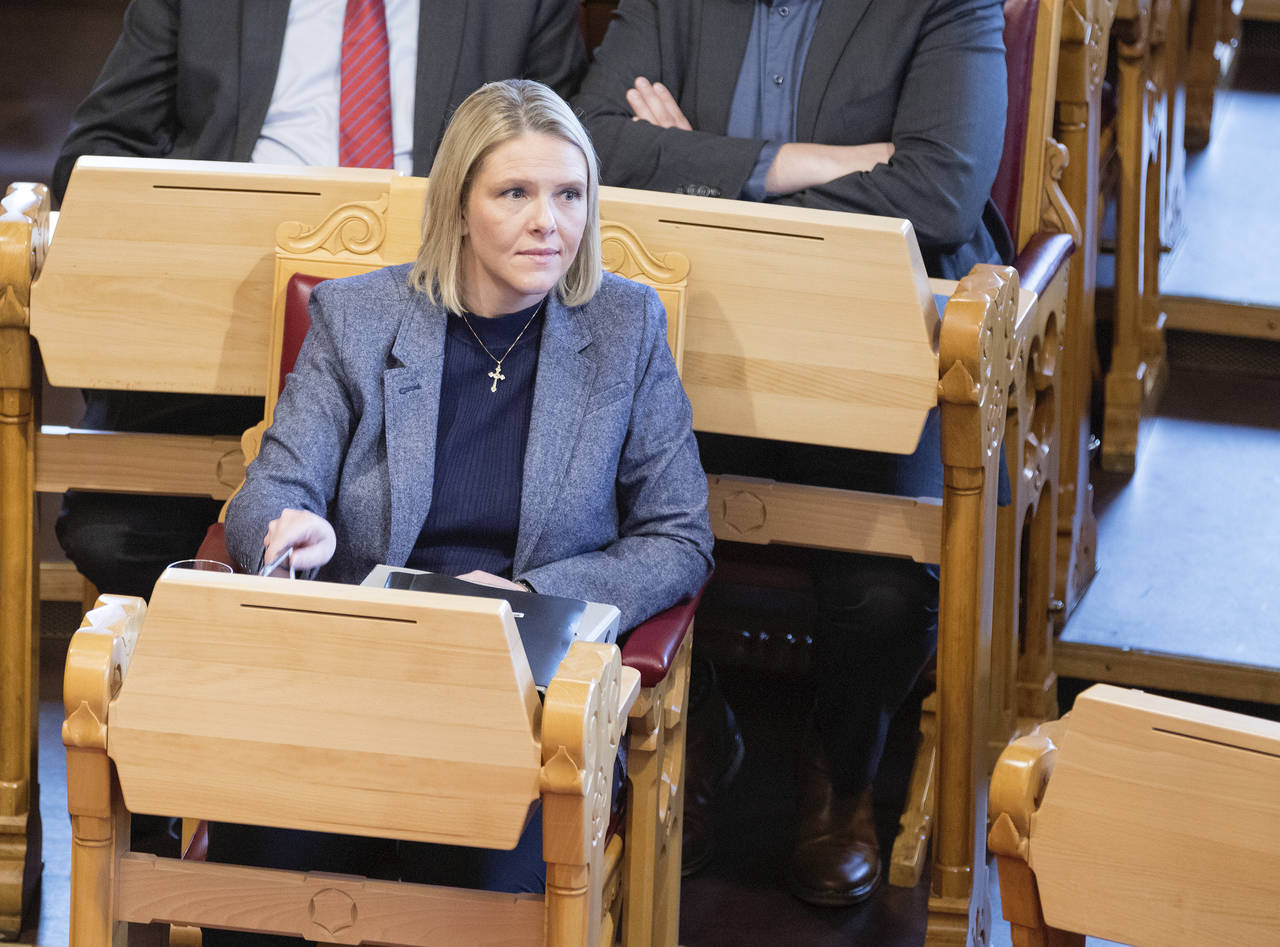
[215, 545]
[297, 319]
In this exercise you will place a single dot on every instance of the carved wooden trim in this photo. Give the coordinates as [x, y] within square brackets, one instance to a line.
[976, 357]
[24, 239]
[655, 805]
[358, 227]
[1056, 213]
[623, 253]
[581, 727]
[97, 661]
[342, 909]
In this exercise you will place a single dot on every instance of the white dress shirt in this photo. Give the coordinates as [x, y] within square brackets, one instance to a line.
[301, 126]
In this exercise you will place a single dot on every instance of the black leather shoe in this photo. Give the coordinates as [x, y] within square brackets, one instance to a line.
[836, 859]
[713, 756]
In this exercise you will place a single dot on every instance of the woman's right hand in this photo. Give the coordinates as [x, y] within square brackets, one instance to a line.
[311, 537]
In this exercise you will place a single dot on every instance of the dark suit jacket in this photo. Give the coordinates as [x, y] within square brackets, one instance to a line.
[927, 75]
[613, 505]
[193, 78]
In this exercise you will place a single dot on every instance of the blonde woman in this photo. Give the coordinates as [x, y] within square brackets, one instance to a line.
[498, 410]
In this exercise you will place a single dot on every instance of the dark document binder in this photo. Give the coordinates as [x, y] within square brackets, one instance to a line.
[547, 624]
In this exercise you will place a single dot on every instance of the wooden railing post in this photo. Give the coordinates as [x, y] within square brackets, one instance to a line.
[1086, 29]
[974, 368]
[1136, 377]
[24, 217]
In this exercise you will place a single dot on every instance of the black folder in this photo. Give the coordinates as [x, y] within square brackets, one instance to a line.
[547, 623]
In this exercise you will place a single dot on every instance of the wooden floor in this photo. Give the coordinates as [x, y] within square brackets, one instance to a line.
[1187, 547]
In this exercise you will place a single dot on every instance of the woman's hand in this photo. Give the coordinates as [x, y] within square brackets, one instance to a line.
[494, 581]
[311, 537]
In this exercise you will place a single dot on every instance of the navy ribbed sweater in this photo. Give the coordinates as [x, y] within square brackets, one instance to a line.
[480, 442]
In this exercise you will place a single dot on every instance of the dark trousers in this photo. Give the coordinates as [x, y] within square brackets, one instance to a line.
[877, 628]
[122, 542]
[877, 618]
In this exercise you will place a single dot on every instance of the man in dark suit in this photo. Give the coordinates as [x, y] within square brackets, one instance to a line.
[258, 80]
[869, 106]
[196, 78]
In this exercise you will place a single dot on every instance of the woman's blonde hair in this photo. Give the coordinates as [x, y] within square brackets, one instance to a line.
[496, 113]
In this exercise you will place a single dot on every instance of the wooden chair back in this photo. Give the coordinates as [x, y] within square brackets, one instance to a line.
[334, 708]
[1142, 820]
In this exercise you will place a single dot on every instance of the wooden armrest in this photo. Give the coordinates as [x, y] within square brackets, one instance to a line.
[652, 644]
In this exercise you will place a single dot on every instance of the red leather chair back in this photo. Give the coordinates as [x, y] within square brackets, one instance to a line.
[1019, 52]
[297, 320]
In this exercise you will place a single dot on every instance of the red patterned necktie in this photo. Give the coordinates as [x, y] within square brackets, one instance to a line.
[364, 113]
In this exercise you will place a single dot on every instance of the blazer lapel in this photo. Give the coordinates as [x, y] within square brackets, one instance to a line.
[440, 30]
[722, 38]
[411, 403]
[559, 400]
[262, 25]
[837, 22]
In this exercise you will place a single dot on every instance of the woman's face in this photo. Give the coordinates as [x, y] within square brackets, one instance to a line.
[522, 222]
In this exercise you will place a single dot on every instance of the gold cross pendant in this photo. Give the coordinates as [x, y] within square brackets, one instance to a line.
[497, 376]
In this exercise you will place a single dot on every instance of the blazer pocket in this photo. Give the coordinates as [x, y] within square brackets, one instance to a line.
[599, 400]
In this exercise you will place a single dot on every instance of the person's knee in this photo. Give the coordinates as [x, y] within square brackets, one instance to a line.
[121, 542]
[870, 596]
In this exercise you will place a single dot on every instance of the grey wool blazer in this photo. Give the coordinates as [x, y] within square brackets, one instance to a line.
[613, 502]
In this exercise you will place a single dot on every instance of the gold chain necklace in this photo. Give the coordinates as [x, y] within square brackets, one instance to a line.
[496, 374]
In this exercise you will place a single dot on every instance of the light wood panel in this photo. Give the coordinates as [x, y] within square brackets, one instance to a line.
[409, 705]
[163, 464]
[1160, 823]
[179, 258]
[750, 367]
[1262, 10]
[1222, 318]
[337, 909]
[751, 510]
[1139, 667]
